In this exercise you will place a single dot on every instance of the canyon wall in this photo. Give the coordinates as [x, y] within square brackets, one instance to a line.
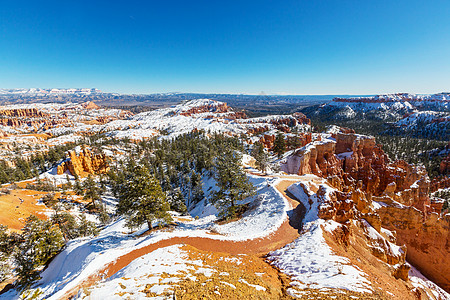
[364, 177]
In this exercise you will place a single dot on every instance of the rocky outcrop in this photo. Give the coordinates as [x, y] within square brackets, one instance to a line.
[391, 195]
[218, 107]
[316, 158]
[444, 167]
[90, 105]
[22, 112]
[427, 239]
[84, 163]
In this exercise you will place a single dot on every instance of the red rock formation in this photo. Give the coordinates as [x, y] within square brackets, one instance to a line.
[84, 164]
[267, 140]
[22, 112]
[216, 107]
[439, 183]
[444, 167]
[360, 170]
[427, 239]
[90, 105]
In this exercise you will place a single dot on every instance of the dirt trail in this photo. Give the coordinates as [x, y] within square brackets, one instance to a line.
[285, 234]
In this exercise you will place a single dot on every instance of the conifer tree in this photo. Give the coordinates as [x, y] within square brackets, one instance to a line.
[279, 145]
[232, 182]
[92, 191]
[141, 199]
[261, 157]
[40, 241]
[5, 252]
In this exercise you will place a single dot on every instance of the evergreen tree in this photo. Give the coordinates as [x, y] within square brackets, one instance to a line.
[232, 182]
[261, 157]
[176, 201]
[91, 190]
[66, 223]
[279, 145]
[5, 252]
[78, 188]
[40, 241]
[85, 227]
[141, 199]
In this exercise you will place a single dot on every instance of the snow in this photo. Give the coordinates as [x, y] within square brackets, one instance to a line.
[176, 122]
[322, 268]
[257, 287]
[147, 270]
[418, 280]
[85, 256]
[394, 250]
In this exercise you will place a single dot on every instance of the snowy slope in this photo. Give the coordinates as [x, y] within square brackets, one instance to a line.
[322, 268]
[424, 124]
[189, 116]
[84, 257]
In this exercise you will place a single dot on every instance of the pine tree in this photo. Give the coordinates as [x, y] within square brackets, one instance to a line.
[92, 191]
[66, 223]
[176, 201]
[141, 199]
[40, 241]
[5, 252]
[232, 182]
[279, 145]
[261, 157]
[78, 188]
[85, 227]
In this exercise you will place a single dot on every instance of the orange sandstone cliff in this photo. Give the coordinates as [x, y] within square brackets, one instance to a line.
[365, 179]
[84, 163]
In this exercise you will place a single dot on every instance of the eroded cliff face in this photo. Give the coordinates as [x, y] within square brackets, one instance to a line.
[30, 117]
[84, 163]
[427, 239]
[393, 195]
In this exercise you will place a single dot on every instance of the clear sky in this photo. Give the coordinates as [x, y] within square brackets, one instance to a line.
[284, 46]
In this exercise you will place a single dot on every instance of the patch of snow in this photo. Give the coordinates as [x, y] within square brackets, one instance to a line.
[418, 280]
[322, 268]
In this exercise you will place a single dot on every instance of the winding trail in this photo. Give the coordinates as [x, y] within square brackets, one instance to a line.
[285, 234]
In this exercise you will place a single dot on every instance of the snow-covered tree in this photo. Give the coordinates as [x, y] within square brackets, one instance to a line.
[92, 191]
[40, 241]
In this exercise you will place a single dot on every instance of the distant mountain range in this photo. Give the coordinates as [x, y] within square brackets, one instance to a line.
[17, 96]
[405, 114]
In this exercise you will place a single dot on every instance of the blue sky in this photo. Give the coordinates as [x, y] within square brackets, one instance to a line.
[284, 47]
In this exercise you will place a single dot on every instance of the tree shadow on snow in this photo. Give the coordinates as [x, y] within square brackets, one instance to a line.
[296, 214]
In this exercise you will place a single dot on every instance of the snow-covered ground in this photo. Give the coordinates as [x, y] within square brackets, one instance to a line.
[419, 280]
[309, 260]
[149, 269]
[85, 256]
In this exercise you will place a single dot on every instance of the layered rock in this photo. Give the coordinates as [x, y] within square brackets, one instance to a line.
[360, 227]
[427, 239]
[84, 163]
[217, 107]
[22, 112]
[364, 178]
